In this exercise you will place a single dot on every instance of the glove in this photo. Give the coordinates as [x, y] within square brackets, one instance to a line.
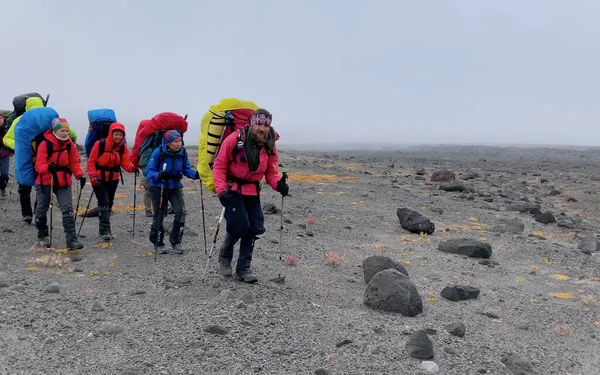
[137, 172]
[95, 181]
[283, 188]
[224, 198]
[162, 175]
[82, 181]
[197, 177]
[52, 168]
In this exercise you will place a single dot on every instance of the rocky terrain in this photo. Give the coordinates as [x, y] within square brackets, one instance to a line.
[445, 259]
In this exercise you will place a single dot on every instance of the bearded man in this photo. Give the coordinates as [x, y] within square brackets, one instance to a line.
[245, 157]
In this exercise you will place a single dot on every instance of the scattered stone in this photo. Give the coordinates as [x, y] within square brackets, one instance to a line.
[17, 287]
[466, 246]
[138, 292]
[517, 365]
[487, 262]
[227, 294]
[271, 209]
[430, 367]
[414, 222]
[524, 207]
[321, 371]
[97, 306]
[52, 288]
[419, 178]
[216, 329]
[343, 342]
[443, 176]
[460, 292]
[589, 244]
[183, 280]
[452, 186]
[420, 172]
[4, 283]
[545, 218]
[376, 263]
[248, 298]
[75, 257]
[571, 199]
[110, 329]
[419, 346]
[450, 350]
[49, 341]
[554, 193]
[391, 290]
[512, 226]
[456, 329]
[8, 230]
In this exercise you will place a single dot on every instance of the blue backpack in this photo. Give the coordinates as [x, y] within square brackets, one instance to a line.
[100, 121]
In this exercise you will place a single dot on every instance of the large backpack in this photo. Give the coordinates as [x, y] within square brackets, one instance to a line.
[28, 134]
[100, 121]
[19, 105]
[222, 119]
[150, 136]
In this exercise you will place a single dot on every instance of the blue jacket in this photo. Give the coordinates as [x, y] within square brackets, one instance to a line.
[178, 165]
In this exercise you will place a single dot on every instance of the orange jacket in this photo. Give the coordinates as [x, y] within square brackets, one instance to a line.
[106, 166]
[67, 162]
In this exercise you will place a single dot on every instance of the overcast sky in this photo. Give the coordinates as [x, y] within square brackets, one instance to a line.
[329, 71]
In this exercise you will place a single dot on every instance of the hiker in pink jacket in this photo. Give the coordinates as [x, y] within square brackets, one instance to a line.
[245, 157]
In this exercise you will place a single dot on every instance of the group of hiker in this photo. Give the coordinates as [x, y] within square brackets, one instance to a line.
[245, 157]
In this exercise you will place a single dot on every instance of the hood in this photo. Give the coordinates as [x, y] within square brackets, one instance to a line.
[73, 135]
[49, 135]
[110, 144]
[34, 102]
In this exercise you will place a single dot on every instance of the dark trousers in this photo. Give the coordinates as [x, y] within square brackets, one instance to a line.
[65, 203]
[175, 197]
[105, 193]
[245, 221]
[4, 168]
[25, 200]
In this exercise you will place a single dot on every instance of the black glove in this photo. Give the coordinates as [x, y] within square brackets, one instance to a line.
[137, 172]
[224, 198]
[162, 175]
[197, 177]
[52, 168]
[82, 181]
[283, 187]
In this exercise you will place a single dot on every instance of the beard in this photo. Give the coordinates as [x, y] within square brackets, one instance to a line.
[260, 134]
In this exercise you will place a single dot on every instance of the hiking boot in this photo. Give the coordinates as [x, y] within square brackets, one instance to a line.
[247, 278]
[225, 269]
[177, 249]
[3, 192]
[44, 242]
[162, 250]
[27, 219]
[149, 213]
[71, 235]
[75, 245]
[106, 237]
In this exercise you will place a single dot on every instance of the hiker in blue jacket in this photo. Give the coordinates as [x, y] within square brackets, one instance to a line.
[167, 166]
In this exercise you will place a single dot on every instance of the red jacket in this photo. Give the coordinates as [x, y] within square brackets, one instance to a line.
[101, 166]
[224, 168]
[67, 162]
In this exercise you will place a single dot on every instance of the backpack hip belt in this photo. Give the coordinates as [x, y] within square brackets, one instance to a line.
[240, 182]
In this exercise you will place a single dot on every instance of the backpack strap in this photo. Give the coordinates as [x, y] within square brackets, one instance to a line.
[50, 150]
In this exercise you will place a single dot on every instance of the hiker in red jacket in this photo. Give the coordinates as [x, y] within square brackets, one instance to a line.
[244, 159]
[56, 161]
[104, 168]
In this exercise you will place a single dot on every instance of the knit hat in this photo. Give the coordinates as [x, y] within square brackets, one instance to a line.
[59, 123]
[261, 117]
[172, 135]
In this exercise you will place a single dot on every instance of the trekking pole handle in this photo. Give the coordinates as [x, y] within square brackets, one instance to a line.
[47, 97]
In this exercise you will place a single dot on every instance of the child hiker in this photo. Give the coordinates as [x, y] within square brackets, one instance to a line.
[56, 161]
[104, 168]
[167, 166]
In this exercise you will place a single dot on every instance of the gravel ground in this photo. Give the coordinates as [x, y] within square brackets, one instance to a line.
[117, 311]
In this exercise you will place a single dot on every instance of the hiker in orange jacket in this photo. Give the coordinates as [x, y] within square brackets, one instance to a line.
[107, 158]
[244, 159]
[56, 161]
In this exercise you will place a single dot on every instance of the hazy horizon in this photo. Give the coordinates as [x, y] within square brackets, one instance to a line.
[393, 72]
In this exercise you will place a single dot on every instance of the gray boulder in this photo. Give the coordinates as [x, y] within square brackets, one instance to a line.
[392, 291]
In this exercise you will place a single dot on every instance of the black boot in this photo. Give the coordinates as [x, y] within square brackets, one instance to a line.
[3, 183]
[104, 219]
[42, 227]
[70, 233]
[25, 200]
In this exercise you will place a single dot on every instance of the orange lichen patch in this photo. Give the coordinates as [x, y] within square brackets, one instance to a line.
[318, 178]
[126, 207]
[470, 227]
[328, 166]
[381, 246]
[120, 196]
[561, 295]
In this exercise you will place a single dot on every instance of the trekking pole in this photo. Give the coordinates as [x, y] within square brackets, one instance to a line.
[203, 222]
[86, 211]
[134, 200]
[283, 178]
[78, 200]
[213, 243]
[51, 204]
[12, 183]
[160, 208]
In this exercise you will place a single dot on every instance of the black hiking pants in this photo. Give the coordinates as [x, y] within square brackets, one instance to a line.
[105, 193]
[245, 221]
[25, 200]
[175, 197]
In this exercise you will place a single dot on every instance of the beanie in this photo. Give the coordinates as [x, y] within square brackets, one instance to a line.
[59, 123]
[261, 117]
[172, 135]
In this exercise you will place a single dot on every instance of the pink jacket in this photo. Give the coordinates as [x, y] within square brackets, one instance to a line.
[224, 167]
